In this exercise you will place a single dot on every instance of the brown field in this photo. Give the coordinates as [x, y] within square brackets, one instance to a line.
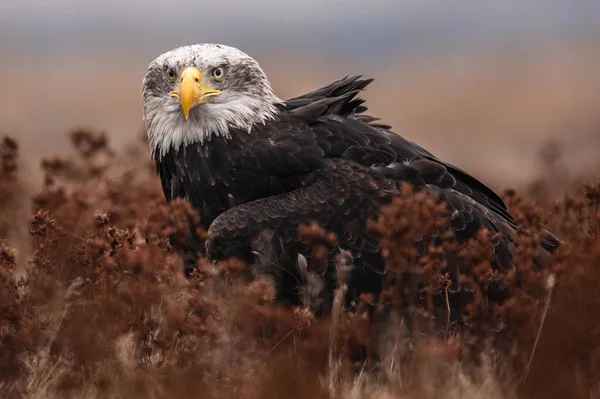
[486, 113]
[94, 303]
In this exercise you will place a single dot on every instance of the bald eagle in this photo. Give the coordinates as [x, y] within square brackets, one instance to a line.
[256, 167]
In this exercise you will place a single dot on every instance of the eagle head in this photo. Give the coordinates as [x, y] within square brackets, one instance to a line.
[194, 92]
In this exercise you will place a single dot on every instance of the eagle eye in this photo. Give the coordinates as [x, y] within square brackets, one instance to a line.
[171, 75]
[218, 73]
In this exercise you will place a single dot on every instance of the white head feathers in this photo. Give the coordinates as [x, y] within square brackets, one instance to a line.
[246, 97]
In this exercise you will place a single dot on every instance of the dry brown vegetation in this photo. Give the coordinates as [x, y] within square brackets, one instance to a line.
[101, 308]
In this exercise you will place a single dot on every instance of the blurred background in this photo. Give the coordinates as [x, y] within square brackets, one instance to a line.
[484, 85]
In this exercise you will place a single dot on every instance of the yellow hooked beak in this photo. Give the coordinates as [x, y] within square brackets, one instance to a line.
[191, 91]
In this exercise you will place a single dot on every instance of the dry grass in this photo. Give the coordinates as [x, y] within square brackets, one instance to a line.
[101, 307]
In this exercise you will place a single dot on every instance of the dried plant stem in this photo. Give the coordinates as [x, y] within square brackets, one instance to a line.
[333, 361]
[448, 316]
[549, 288]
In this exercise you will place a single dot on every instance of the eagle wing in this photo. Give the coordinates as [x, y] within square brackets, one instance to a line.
[357, 167]
[345, 130]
